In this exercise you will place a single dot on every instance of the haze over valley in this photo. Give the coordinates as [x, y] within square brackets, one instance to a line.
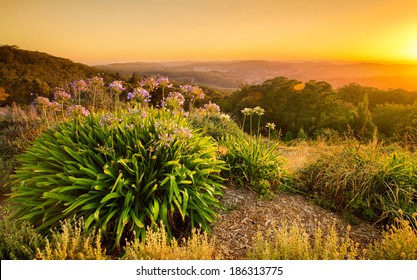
[232, 74]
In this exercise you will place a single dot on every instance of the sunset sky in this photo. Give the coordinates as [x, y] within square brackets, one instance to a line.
[100, 31]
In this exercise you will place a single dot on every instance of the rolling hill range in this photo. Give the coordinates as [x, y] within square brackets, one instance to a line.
[23, 72]
[231, 74]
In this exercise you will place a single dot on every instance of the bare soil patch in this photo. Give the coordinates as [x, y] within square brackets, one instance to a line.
[246, 215]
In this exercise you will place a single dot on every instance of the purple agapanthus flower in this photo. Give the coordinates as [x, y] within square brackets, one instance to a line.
[164, 82]
[79, 86]
[61, 96]
[55, 106]
[149, 83]
[41, 101]
[140, 95]
[183, 133]
[193, 92]
[212, 108]
[95, 81]
[175, 100]
[117, 86]
[77, 110]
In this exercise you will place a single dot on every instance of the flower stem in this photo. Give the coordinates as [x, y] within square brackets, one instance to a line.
[46, 117]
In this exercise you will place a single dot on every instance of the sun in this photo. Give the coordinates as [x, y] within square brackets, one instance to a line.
[410, 50]
[410, 43]
[413, 51]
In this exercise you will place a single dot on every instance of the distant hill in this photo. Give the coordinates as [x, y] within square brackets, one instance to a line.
[23, 72]
[231, 74]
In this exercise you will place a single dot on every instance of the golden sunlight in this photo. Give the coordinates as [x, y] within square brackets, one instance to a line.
[413, 51]
[299, 86]
[408, 40]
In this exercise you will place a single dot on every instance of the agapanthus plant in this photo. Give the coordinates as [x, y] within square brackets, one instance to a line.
[42, 103]
[120, 172]
[192, 93]
[270, 126]
[139, 96]
[174, 101]
[211, 108]
[62, 97]
[116, 87]
[95, 90]
[250, 112]
[149, 83]
[163, 83]
[78, 87]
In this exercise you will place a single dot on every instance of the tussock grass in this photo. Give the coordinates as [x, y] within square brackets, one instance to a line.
[369, 182]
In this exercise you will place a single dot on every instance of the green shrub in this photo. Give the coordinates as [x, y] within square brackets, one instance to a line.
[367, 182]
[18, 241]
[120, 173]
[69, 242]
[253, 164]
[217, 126]
[292, 242]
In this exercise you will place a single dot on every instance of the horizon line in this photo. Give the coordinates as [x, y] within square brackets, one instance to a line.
[341, 61]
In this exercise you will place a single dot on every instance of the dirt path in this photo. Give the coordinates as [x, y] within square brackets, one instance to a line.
[247, 215]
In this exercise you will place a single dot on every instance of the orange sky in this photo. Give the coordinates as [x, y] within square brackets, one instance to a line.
[100, 31]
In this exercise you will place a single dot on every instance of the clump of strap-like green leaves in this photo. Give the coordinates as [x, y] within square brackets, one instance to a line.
[122, 173]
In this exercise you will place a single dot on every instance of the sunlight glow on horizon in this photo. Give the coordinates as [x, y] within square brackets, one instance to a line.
[102, 32]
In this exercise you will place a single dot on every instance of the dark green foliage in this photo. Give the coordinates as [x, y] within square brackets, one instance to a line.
[361, 123]
[354, 93]
[254, 165]
[315, 106]
[120, 173]
[397, 122]
[312, 107]
[216, 126]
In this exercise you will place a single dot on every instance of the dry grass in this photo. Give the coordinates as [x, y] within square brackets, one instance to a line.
[72, 244]
[292, 242]
[399, 242]
[304, 152]
[157, 247]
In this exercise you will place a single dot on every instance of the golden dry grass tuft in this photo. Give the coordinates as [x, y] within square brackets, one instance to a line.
[292, 242]
[157, 247]
[399, 242]
[72, 244]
